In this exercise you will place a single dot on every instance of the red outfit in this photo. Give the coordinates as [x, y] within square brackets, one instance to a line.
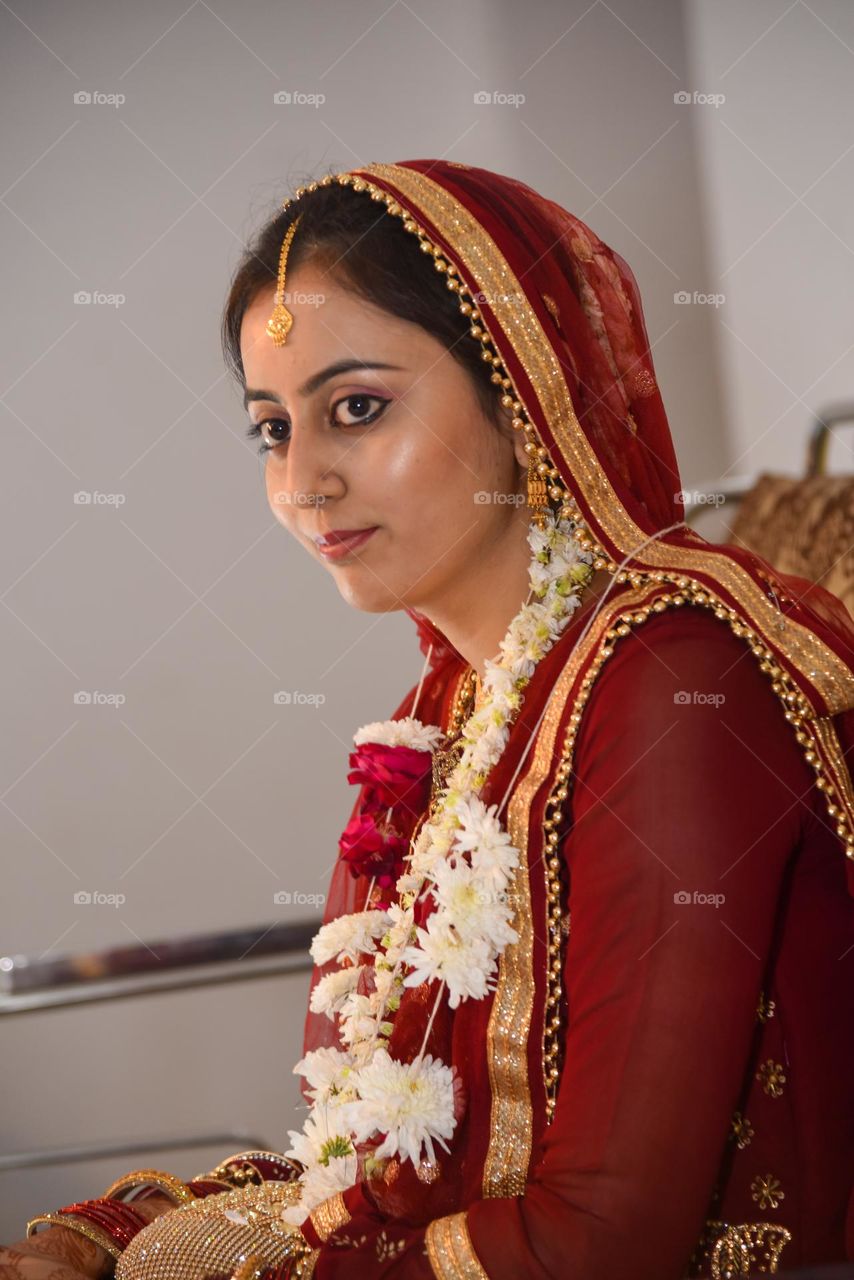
[663, 1042]
[697, 733]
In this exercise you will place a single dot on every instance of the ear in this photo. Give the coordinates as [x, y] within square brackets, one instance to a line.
[505, 426]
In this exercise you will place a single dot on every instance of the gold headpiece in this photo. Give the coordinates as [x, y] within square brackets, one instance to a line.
[279, 324]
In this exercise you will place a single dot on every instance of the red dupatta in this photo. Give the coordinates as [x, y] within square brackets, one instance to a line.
[561, 312]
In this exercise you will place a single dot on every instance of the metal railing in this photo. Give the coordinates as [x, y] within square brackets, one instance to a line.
[177, 964]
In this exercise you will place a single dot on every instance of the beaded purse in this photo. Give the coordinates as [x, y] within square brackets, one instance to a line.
[218, 1235]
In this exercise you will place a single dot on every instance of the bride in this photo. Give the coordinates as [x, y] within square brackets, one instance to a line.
[581, 1001]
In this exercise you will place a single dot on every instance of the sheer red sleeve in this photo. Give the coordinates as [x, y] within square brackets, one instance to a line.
[687, 782]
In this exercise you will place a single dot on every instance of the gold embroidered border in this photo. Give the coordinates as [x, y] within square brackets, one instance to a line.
[329, 1215]
[520, 327]
[451, 1251]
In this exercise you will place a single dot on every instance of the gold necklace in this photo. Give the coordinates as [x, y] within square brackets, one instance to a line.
[446, 758]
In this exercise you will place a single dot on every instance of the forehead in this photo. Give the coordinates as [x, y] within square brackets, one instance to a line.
[330, 322]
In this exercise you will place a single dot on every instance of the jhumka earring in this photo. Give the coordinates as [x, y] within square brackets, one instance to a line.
[280, 322]
[538, 493]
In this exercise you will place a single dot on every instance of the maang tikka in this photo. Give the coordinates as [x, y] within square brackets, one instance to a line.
[280, 322]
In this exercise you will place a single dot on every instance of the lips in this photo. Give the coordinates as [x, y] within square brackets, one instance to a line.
[341, 544]
[336, 536]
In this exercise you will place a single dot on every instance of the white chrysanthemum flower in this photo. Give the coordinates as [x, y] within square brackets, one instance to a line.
[347, 937]
[330, 992]
[473, 911]
[466, 967]
[323, 1137]
[326, 1071]
[411, 1103]
[406, 732]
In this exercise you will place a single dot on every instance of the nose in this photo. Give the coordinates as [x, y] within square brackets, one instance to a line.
[307, 474]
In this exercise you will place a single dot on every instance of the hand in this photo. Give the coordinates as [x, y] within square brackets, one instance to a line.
[58, 1253]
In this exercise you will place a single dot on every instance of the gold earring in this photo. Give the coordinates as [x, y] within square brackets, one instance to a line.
[538, 499]
[280, 322]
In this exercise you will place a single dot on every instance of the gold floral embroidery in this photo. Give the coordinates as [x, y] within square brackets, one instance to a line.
[765, 1008]
[772, 1077]
[742, 1130]
[731, 1248]
[767, 1191]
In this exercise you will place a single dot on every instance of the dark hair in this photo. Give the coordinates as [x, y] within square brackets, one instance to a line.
[368, 251]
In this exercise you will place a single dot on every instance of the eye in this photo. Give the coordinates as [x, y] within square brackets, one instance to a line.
[276, 431]
[257, 429]
[360, 398]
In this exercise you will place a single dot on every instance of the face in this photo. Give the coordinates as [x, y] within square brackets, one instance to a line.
[401, 446]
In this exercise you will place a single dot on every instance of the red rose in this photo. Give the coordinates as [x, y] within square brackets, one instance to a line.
[372, 850]
[393, 776]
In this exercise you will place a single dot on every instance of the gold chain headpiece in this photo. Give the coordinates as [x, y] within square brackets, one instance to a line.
[279, 324]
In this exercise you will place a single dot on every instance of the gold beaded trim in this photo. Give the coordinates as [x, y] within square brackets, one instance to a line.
[451, 1251]
[540, 462]
[810, 733]
[88, 1229]
[330, 1215]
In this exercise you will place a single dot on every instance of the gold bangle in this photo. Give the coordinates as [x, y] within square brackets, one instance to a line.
[88, 1229]
[174, 1187]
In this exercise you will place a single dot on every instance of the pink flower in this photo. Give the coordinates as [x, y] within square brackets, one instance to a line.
[393, 776]
[373, 850]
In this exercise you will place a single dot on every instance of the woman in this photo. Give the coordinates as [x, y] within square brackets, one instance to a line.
[581, 1001]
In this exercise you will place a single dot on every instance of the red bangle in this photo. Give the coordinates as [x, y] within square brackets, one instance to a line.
[120, 1221]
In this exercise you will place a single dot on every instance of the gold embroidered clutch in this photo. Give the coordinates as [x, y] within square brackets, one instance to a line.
[217, 1235]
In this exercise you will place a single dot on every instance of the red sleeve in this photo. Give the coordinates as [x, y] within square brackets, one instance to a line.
[688, 783]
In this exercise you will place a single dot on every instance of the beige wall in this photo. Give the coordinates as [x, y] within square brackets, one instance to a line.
[198, 797]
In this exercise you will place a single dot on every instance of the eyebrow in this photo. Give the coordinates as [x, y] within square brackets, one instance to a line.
[317, 380]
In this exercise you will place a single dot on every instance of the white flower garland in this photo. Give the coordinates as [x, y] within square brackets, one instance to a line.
[464, 860]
